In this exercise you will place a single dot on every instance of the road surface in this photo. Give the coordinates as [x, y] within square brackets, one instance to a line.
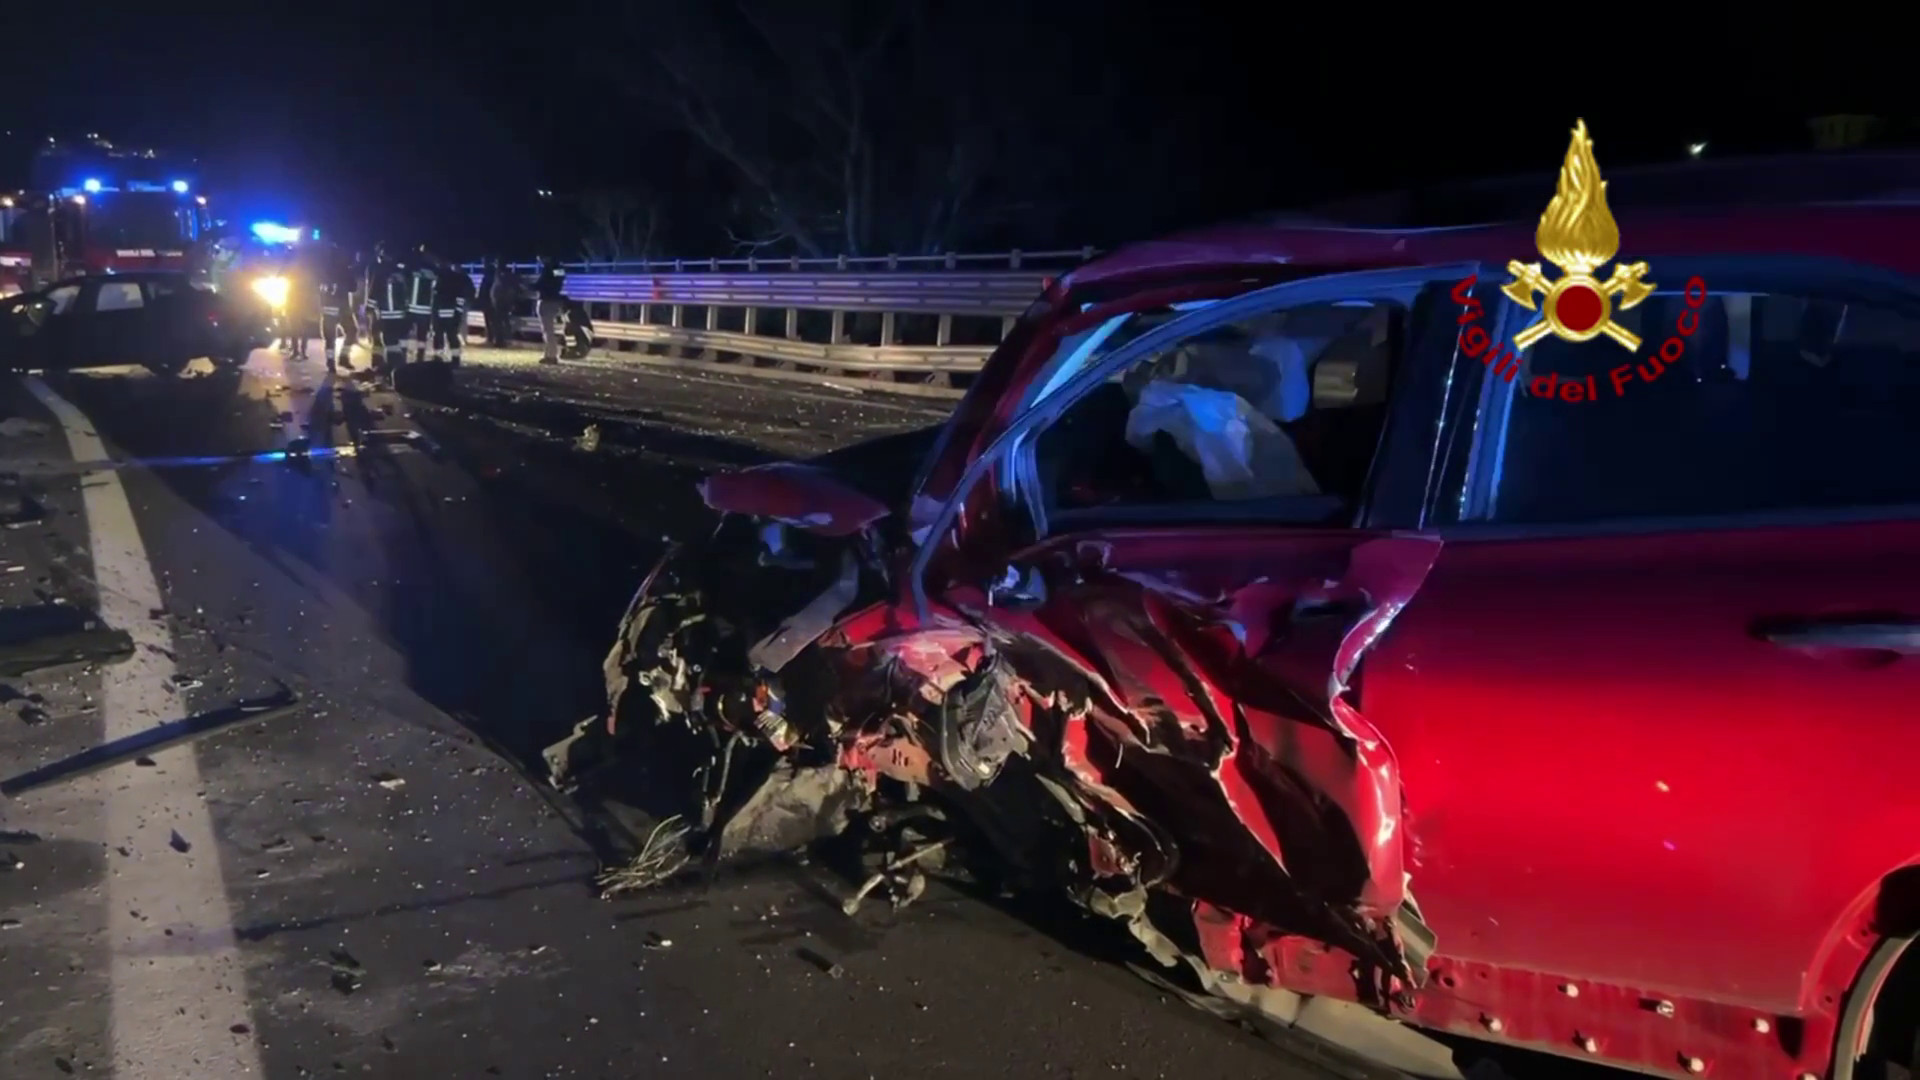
[371, 886]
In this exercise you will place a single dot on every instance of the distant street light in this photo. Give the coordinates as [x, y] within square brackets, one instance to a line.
[1696, 149]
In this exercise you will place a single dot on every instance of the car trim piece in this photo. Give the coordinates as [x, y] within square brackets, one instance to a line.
[1476, 532]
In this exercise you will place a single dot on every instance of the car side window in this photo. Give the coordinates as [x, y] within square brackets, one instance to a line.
[119, 296]
[1277, 416]
[1781, 403]
[60, 300]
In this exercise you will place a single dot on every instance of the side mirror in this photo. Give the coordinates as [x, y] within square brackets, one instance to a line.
[1020, 588]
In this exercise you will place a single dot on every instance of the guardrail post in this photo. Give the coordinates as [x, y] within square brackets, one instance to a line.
[1013, 259]
[792, 331]
[943, 332]
[751, 323]
[887, 336]
[1006, 325]
[837, 334]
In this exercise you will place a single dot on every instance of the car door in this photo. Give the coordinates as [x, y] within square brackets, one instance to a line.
[52, 334]
[117, 328]
[1203, 523]
[1654, 705]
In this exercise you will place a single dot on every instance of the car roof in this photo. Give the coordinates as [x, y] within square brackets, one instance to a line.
[1879, 234]
[131, 275]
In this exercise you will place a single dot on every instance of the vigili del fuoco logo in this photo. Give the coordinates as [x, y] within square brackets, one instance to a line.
[1578, 235]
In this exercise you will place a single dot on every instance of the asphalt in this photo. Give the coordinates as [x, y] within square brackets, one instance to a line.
[402, 900]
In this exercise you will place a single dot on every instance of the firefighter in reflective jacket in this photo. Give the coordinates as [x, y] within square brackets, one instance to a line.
[452, 296]
[425, 282]
[389, 284]
[337, 288]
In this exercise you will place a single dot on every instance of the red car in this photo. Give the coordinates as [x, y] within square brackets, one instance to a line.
[1381, 687]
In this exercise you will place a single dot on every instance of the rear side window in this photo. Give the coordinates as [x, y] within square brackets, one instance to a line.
[1782, 403]
[118, 296]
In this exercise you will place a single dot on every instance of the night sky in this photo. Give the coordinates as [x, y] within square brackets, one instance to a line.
[394, 122]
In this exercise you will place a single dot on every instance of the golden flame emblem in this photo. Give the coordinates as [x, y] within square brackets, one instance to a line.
[1578, 235]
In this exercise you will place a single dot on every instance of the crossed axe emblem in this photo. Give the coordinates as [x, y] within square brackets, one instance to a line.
[1621, 291]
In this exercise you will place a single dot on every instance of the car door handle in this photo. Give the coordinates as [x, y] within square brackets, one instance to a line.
[1885, 635]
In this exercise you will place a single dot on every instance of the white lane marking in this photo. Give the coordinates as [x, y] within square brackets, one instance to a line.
[179, 982]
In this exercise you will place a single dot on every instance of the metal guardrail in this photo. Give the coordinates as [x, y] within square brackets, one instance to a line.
[648, 310]
[890, 264]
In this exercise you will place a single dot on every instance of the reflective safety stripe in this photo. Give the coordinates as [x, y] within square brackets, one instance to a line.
[329, 311]
[447, 313]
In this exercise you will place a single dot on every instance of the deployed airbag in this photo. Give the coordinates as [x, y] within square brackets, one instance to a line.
[1242, 453]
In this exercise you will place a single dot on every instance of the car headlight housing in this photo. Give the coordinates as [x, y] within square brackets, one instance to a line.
[271, 289]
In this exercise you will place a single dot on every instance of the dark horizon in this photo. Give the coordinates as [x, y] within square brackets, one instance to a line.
[367, 132]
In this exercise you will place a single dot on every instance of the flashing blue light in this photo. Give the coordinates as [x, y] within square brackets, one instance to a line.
[316, 234]
[273, 233]
[91, 185]
[179, 187]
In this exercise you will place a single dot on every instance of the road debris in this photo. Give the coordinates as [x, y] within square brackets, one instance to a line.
[178, 843]
[661, 856]
[905, 888]
[148, 742]
[19, 427]
[827, 967]
[56, 634]
[589, 439]
[389, 781]
[348, 974]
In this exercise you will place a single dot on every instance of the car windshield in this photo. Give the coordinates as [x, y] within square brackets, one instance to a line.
[136, 219]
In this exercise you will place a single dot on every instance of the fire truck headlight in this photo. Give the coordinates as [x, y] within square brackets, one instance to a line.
[271, 289]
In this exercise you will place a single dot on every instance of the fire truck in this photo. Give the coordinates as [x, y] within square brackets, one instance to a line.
[89, 208]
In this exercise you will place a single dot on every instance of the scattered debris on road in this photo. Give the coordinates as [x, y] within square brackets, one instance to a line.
[53, 635]
[348, 975]
[148, 742]
[19, 427]
[661, 856]
[589, 440]
[389, 781]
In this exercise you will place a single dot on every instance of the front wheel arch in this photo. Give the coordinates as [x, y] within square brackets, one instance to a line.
[1870, 1030]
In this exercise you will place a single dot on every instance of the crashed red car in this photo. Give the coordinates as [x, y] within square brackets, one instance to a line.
[1377, 694]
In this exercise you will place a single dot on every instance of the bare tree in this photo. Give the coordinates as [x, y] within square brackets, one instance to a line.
[621, 224]
[855, 126]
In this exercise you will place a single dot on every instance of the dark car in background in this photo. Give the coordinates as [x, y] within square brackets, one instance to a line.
[161, 320]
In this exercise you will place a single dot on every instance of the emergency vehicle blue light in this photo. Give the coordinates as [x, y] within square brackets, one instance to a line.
[180, 187]
[91, 185]
[273, 233]
[316, 234]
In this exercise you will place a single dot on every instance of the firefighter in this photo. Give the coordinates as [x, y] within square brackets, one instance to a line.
[424, 282]
[303, 294]
[336, 308]
[358, 305]
[388, 285]
[551, 288]
[452, 296]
